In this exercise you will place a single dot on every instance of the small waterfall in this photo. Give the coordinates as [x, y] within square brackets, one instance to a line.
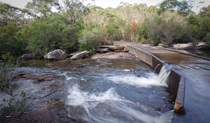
[164, 74]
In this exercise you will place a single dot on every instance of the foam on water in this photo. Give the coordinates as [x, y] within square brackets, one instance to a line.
[109, 107]
[147, 81]
[78, 97]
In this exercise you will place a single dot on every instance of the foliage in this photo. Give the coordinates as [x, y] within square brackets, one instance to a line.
[89, 45]
[14, 104]
[9, 42]
[205, 12]
[45, 25]
[90, 40]
[17, 103]
[9, 14]
[38, 8]
[183, 7]
[207, 39]
[6, 73]
[50, 33]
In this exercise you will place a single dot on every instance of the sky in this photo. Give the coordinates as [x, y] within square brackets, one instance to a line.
[114, 3]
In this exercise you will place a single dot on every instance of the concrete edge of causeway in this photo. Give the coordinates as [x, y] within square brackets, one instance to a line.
[176, 81]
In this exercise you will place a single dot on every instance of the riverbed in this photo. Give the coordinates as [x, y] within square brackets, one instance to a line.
[93, 91]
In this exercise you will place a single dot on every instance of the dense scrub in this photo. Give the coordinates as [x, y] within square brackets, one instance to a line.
[46, 25]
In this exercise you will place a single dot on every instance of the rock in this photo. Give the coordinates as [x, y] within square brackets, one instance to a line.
[189, 46]
[41, 115]
[27, 56]
[57, 54]
[33, 77]
[160, 45]
[201, 45]
[103, 50]
[116, 48]
[80, 55]
[183, 46]
[107, 42]
[114, 55]
[126, 49]
[113, 47]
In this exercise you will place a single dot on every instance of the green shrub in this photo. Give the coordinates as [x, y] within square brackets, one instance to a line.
[8, 41]
[207, 39]
[91, 38]
[49, 33]
[89, 45]
[14, 104]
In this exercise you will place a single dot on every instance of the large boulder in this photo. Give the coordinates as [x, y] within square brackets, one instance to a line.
[57, 54]
[80, 55]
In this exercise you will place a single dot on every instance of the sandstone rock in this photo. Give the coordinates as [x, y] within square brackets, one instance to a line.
[183, 46]
[125, 49]
[56, 55]
[103, 50]
[113, 47]
[33, 77]
[201, 45]
[80, 55]
[107, 42]
[116, 48]
[160, 45]
[114, 55]
[27, 56]
[189, 46]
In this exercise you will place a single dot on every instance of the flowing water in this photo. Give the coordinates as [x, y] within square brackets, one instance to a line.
[100, 91]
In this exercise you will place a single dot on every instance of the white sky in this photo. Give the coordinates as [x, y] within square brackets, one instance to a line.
[115, 3]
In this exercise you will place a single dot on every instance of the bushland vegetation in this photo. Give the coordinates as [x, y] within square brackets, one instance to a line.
[44, 25]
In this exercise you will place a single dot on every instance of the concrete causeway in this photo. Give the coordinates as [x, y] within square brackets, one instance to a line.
[196, 89]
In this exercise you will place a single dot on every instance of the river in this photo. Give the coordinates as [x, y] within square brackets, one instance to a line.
[96, 91]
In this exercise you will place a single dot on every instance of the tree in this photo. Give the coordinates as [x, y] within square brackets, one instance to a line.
[183, 7]
[38, 8]
[49, 33]
[205, 12]
[9, 14]
[166, 28]
[9, 42]
[205, 18]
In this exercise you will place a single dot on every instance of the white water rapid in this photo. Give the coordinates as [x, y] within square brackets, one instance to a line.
[111, 107]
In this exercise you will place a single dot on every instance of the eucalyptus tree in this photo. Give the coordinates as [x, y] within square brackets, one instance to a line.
[205, 23]
[9, 14]
[38, 8]
[183, 7]
[205, 18]
[74, 10]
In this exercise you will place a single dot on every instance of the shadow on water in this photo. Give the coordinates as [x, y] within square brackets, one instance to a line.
[204, 53]
[102, 91]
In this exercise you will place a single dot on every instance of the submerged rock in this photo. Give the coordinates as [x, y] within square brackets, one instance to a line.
[80, 55]
[57, 54]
